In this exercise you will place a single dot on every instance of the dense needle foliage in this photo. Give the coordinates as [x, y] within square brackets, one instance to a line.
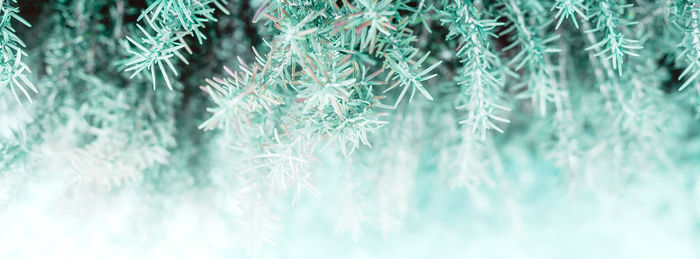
[250, 96]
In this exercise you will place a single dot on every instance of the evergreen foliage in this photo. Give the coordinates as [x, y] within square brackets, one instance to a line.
[260, 93]
[14, 71]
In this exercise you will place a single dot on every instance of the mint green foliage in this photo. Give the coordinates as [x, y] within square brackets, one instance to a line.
[169, 22]
[613, 44]
[13, 71]
[317, 81]
[685, 18]
[260, 94]
[535, 51]
[482, 77]
[568, 9]
[480, 94]
[90, 118]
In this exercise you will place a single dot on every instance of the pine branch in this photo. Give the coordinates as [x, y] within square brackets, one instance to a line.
[535, 48]
[609, 22]
[315, 60]
[687, 17]
[13, 71]
[568, 8]
[170, 22]
[482, 76]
